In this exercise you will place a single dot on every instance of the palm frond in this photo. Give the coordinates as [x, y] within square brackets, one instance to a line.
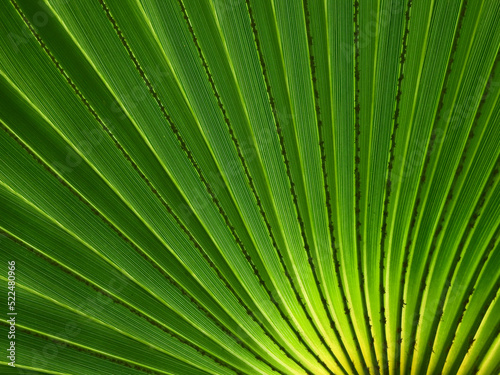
[250, 186]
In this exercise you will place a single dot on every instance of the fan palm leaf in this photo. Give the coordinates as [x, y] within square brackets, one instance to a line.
[250, 186]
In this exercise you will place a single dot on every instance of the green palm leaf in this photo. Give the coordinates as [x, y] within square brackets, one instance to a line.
[250, 186]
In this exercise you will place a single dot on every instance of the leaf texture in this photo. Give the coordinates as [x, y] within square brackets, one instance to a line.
[251, 186]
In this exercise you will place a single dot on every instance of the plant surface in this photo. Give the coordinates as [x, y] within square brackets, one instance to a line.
[250, 186]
